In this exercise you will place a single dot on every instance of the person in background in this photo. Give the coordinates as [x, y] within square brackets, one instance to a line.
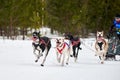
[116, 26]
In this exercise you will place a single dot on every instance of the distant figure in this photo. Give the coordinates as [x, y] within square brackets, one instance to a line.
[116, 26]
[114, 39]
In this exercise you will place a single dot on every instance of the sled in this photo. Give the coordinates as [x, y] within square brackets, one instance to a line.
[114, 48]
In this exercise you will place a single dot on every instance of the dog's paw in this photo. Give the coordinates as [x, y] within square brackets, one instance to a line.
[80, 48]
[66, 63]
[41, 55]
[102, 62]
[75, 59]
[58, 60]
[36, 60]
[62, 65]
[95, 54]
[42, 65]
[71, 55]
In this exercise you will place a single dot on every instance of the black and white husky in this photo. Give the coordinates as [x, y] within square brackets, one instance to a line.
[63, 51]
[101, 46]
[76, 43]
[40, 44]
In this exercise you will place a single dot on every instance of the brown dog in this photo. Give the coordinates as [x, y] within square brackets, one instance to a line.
[101, 46]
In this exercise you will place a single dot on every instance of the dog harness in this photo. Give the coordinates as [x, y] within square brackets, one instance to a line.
[60, 50]
[100, 42]
[43, 42]
[100, 45]
[37, 41]
[75, 42]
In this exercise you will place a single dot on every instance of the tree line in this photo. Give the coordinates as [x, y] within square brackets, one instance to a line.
[17, 17]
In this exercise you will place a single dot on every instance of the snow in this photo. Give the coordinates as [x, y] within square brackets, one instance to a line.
[17, 63]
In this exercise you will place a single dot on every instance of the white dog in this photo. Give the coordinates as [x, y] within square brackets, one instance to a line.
[101, 46]
[63, 51]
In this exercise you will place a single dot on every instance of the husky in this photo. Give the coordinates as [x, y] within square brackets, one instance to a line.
[40, 44]
[76, 43]
[62, 51]
[101, 46]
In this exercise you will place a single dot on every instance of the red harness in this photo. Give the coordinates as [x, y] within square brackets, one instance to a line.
[75, 42]
[41, 41]
[60, 50]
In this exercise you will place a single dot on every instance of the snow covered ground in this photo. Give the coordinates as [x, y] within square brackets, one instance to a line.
[17, 63]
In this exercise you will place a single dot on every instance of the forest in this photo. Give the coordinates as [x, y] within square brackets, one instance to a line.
[18, 17]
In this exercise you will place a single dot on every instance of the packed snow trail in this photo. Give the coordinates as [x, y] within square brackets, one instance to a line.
[17, 63]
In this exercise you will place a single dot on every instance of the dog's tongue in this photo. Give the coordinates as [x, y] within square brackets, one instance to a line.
[100, 39]
[34, 39]
[99, 36]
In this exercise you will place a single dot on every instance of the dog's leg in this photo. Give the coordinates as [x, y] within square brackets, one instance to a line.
[68, 55]
[34, 51]
[44, 59]
[59, 58]
[40, 53]
[37, 56]
[71, 51]
[63, 58]
[76, 55]
[102, 58]
[74, 51]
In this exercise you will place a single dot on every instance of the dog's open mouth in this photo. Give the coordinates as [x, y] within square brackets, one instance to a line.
[99, 36]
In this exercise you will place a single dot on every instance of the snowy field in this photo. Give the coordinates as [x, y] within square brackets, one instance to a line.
[17, 63]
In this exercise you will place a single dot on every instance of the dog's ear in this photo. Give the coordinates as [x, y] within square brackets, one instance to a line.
[56, 40]
[103, 32]
[63, 39]
[97, 32]
[39, 32]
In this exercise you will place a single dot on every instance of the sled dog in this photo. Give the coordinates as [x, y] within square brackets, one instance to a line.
[101, 46]
[62, 51]
[40, 44]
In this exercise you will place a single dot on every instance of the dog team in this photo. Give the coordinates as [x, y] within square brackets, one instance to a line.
[66, 47]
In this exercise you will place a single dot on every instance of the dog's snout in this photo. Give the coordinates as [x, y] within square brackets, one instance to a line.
[99, 35]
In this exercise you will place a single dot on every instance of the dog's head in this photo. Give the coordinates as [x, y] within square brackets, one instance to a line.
[36, 34]
[100, 34]
[59, 41]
